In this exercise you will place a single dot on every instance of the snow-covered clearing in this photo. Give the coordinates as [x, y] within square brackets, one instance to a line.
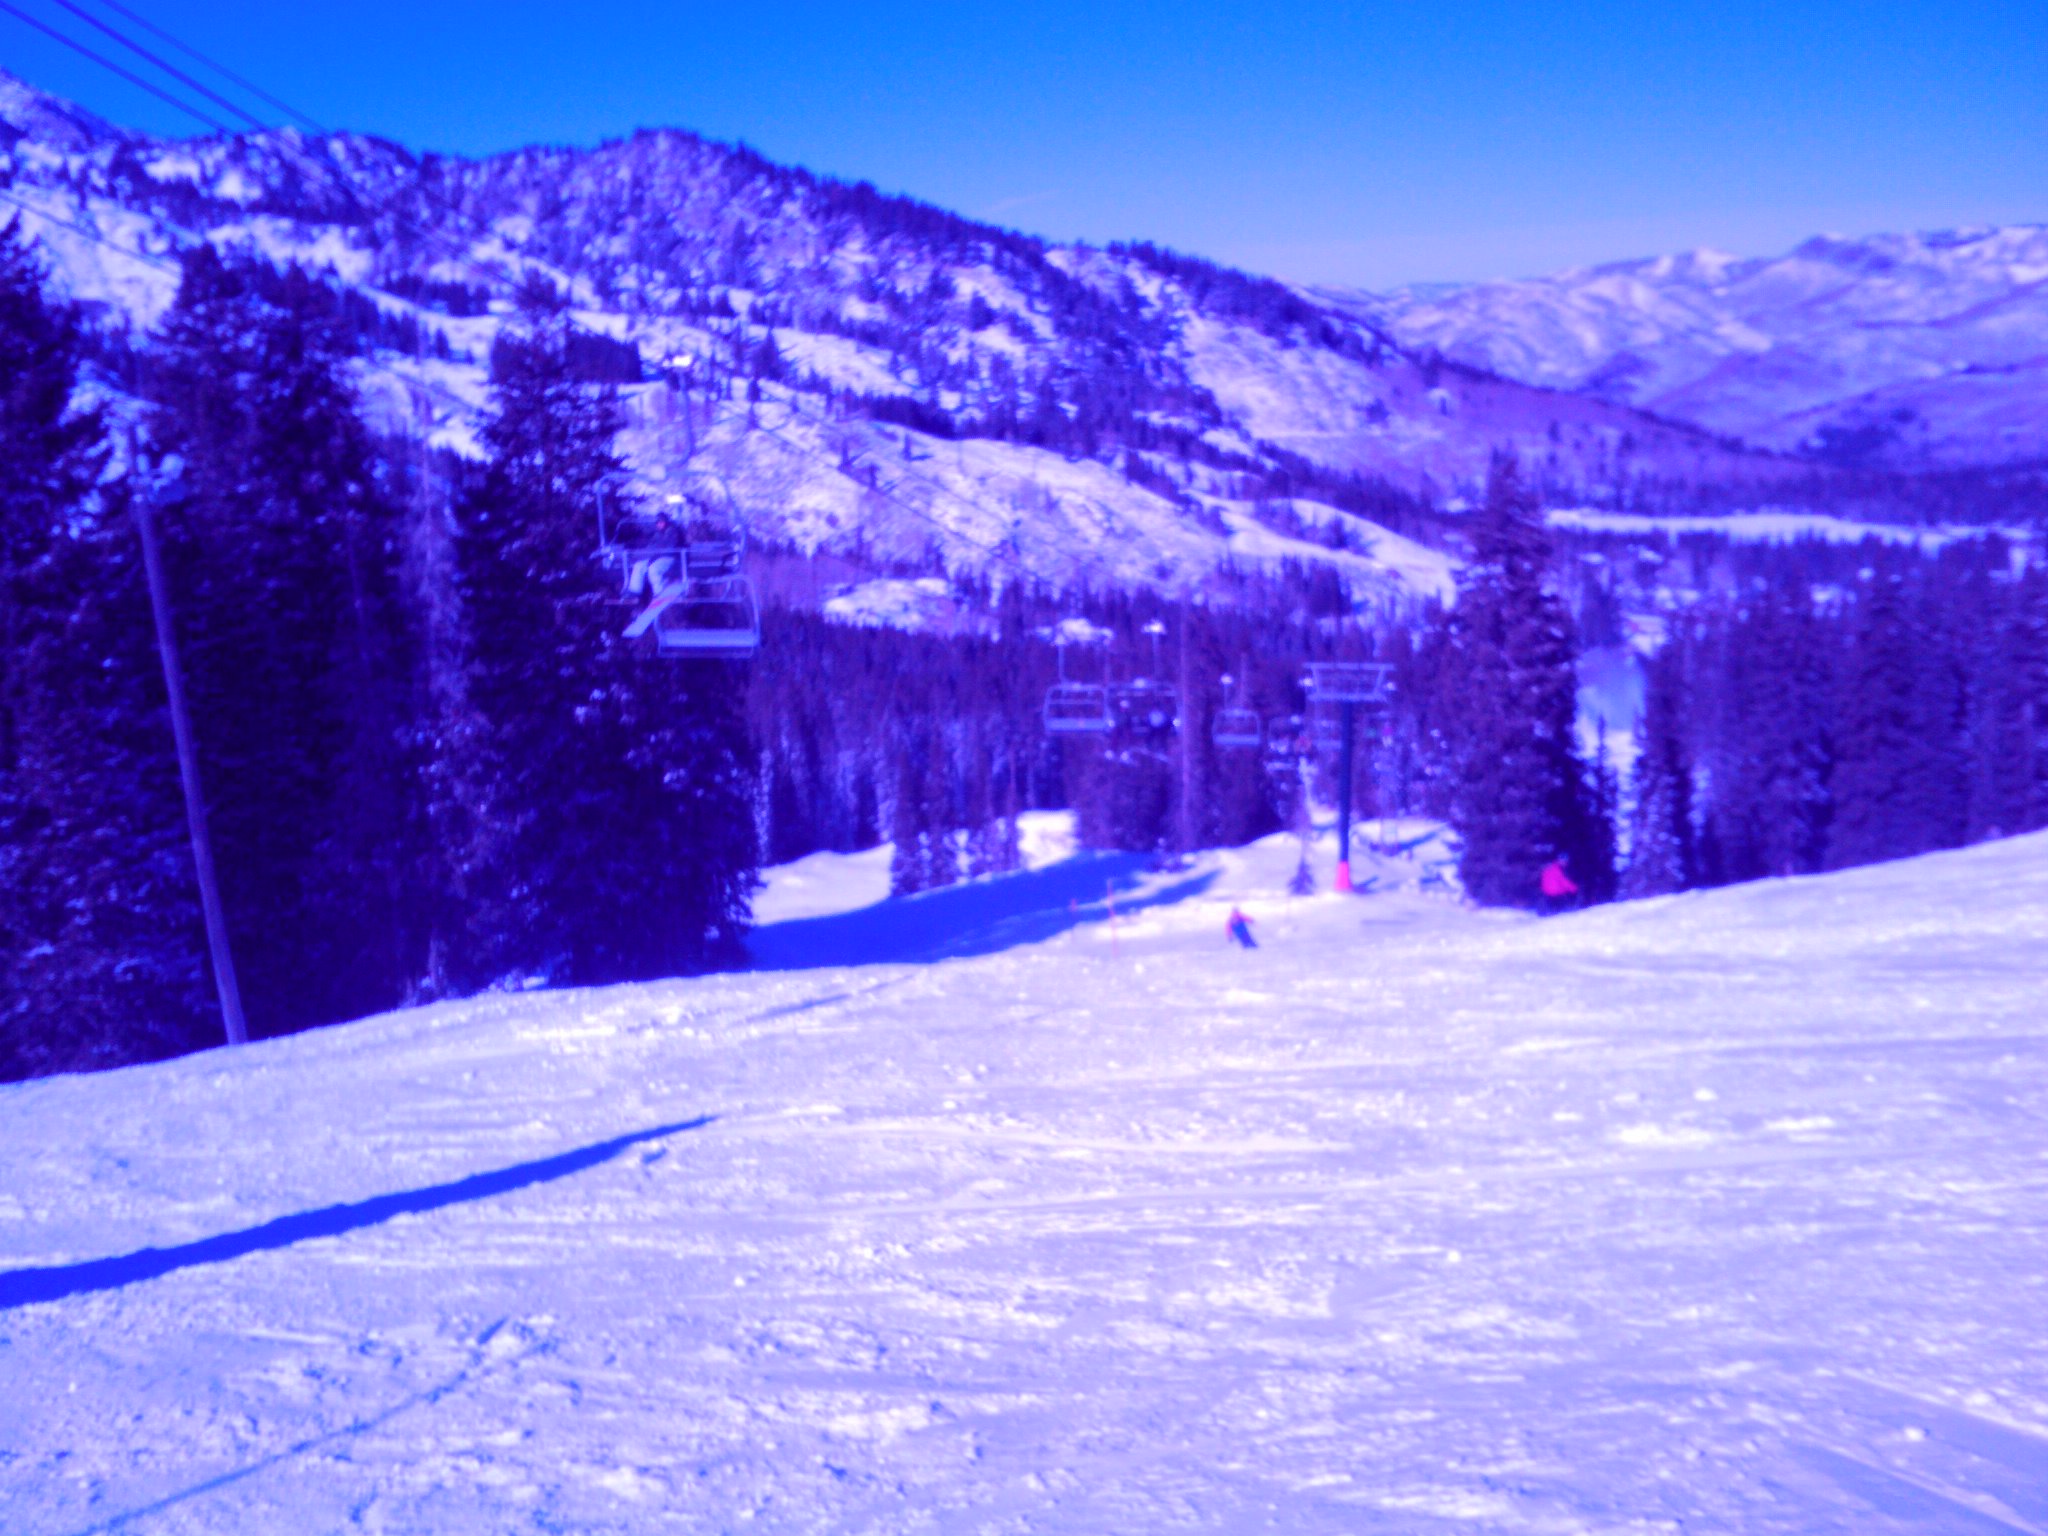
[1773, 526]
[1719, 1213]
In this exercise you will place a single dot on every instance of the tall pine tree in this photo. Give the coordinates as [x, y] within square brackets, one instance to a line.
[615, 837]
[281, 555]
[99, 944]
[1521, 797]
[1662, 856]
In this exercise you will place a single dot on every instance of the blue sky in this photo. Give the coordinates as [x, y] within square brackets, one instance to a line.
[1365, 144]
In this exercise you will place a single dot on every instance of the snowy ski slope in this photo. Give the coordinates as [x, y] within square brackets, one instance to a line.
[1722, 1213]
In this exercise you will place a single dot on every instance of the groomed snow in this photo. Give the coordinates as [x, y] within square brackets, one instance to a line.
[1721, 1213]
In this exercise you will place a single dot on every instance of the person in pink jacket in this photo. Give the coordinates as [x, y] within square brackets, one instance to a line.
[1239, 927]
[1558, 886]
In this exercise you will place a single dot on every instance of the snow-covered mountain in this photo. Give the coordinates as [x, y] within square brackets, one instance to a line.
[1721, 1212]
[865, 371]
[1908, 350]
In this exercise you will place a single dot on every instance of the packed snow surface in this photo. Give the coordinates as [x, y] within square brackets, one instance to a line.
[1720, 1213]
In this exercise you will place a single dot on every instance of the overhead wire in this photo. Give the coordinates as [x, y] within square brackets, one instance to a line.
[325, 167]
[213, 64]
[170, 69]
[89, 234]
[108, 64]
[1000, 553]
[165, 265]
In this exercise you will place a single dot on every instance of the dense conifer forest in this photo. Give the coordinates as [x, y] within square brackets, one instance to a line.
[432, 765]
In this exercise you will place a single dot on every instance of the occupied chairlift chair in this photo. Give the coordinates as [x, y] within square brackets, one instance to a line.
[1145, 706]
[1286, 744]
[684, 563]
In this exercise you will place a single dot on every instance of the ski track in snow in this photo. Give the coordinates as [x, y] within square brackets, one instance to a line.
[1723, 1212]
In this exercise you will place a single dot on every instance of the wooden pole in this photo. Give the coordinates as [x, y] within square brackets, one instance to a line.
[188, 773]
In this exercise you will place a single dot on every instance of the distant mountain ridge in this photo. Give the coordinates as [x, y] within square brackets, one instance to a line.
[1905, 350]
[872, 375]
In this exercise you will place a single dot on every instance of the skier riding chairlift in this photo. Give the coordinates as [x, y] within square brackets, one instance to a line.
[654, 563]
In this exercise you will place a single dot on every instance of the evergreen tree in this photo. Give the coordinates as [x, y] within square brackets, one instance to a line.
[615, 838]
[1662, 857]
[99, 953]
[2008, 708]
[1521, 797]
[281, 555]
[1771, 762]
[910, 826]
[1900, 786]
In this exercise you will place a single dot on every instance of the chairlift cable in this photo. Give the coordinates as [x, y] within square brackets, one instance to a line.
[213, 64]
[108, 64]
[328, 168]
[1076, 567]
[168, 68]
[94, 236]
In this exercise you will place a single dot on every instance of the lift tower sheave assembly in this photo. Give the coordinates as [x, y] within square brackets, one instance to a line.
[1347, 685]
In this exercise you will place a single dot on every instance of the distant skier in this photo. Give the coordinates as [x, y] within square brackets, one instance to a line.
[1240, 929]
[1559, 889]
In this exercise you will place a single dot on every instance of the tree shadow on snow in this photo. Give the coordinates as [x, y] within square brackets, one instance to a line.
[978, 918]
[20, 1287]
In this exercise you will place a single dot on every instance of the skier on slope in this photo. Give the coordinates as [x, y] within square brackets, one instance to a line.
[1239, 927]
[1558, 886]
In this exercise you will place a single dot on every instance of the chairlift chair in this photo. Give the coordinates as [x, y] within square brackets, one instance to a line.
[1234, 725]
[1076, 709]
[1146, 707]
[1237, 728]
[644, 550]
[1073, 709]
[715, 618]
[1285, 743]
[714, 545]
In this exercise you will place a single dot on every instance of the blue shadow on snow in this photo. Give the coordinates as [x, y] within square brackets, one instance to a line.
[978, 918]
[20, 1287]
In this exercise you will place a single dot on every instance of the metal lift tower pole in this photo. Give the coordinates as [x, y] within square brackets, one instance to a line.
[188, 772]
[1347, 713]
[1346, 684]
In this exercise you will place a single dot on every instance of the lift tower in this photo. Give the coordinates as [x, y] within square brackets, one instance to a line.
[1346, 685]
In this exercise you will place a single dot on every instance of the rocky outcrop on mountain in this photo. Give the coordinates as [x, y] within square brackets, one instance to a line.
[863, 372]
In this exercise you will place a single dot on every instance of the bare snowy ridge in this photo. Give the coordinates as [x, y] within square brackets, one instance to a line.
[818, 294]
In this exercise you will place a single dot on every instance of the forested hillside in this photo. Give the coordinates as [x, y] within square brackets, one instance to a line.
[383, 410]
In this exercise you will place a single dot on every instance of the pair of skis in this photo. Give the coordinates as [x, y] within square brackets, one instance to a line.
[663, 600]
